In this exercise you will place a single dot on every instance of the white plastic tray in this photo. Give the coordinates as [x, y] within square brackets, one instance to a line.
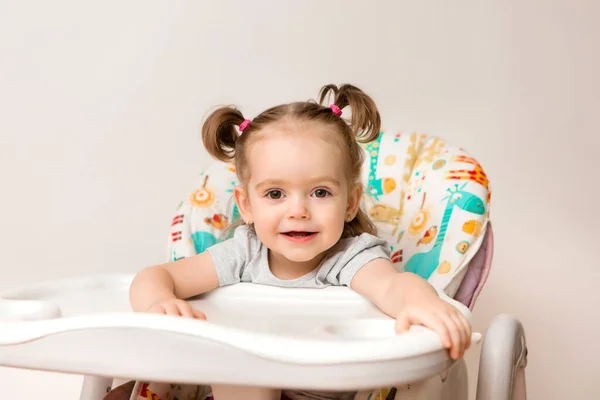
[255, 335]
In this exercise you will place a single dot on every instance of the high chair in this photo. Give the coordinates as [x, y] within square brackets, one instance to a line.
[430, 201]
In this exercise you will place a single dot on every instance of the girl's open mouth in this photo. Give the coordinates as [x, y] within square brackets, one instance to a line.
[298, 236]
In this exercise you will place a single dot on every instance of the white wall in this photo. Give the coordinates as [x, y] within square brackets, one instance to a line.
[101, 104]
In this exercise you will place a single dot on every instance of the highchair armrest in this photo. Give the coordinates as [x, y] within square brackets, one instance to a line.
[503, 361]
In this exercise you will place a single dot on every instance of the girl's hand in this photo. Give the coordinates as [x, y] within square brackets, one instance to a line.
[413, 301]
[176, 307]
[441, 317]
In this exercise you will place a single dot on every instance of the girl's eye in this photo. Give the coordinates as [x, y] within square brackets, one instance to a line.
[320, 193]
[274, 194]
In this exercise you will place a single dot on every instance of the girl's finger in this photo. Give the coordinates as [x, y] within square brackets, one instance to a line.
[185, 309]
[198, 314]
[170, 309]
[402, 323]
[433, 322]
[466, 329]
[159, 309]
[454, 331]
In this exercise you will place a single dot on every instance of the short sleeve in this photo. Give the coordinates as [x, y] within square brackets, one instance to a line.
[351, 255]
[231, 256]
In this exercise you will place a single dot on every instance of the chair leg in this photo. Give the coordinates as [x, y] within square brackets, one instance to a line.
[95, 387]
[503, 361]
[520, 387]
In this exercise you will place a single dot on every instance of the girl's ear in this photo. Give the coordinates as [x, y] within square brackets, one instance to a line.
[243, 204]
[354, 201]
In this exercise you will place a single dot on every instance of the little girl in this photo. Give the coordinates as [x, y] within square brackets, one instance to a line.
[299, 168]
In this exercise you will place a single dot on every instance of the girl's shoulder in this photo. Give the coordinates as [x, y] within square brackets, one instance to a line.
[244, 236]
[362, 242]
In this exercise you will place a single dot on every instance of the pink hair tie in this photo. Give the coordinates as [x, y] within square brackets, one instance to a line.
[244, 125]
[337, 111]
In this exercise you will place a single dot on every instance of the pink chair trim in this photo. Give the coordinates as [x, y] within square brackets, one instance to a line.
[477, 272]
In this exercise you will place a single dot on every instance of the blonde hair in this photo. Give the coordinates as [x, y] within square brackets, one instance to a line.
[222, 140]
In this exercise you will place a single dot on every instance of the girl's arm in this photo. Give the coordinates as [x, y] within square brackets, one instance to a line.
[166, 283]
[411, 300]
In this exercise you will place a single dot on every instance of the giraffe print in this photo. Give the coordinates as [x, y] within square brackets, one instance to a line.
[475, 175]
[424, 264]
[377, 187]
[429, 152]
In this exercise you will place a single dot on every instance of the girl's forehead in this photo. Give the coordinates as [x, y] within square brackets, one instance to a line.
[294, 156]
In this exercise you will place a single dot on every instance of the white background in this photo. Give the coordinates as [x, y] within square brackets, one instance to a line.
[101, 106]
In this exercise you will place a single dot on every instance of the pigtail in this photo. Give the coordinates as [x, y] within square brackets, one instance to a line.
[365, 121]
[220, 132]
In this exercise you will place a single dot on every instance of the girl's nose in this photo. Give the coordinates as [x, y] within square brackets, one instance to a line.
[298, 209]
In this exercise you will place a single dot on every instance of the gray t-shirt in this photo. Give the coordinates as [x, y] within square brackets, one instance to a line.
[244, 258]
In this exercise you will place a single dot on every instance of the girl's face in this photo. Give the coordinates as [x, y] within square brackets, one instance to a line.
[297, 195]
